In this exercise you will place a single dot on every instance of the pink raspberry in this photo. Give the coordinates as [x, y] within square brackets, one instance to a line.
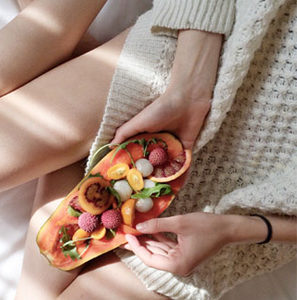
[158, 156]
[111, 219]
[88, 222]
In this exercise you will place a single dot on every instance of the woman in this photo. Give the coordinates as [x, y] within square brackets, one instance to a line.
[230, 167]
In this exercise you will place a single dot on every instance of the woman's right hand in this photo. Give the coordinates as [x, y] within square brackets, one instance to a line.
[182, 109]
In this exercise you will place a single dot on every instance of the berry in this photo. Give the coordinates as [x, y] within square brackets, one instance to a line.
[88, 222]
[158, 156]
[111, 219]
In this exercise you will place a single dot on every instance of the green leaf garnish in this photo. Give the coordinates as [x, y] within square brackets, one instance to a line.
[68, 246]
[90, 176]
[123, 146]
[73, 212]
[110, 234]
[141, 142]
[116, 194]
[71, 252]
[158, 190]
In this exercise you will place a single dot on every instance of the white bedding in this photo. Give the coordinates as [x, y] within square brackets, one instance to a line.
[15, 204]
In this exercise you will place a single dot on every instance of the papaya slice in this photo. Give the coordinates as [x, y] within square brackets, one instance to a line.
[93, 195]
[56, 237]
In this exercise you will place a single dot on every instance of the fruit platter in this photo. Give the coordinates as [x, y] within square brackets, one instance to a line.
[133, 182]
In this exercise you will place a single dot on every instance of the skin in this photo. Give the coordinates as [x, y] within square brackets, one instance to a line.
[48, 36]
[200, 236]
[190, 89]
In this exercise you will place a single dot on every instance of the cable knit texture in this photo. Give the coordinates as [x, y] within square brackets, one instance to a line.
[245, 157]
[171, 15]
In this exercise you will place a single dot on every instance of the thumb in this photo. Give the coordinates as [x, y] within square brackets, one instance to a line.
[126, 131]
[170, 224]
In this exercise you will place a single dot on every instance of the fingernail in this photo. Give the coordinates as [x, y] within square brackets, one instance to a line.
[141, 226]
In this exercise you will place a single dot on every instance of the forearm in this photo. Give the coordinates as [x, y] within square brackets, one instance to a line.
[251, 229]
[195, 65]
[41, 36]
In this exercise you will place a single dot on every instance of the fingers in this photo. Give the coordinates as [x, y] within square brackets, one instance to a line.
[165, 240]
[170, 224]
[127, 130]
[155, 260]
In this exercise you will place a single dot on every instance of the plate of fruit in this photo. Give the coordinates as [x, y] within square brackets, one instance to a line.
[130, 183]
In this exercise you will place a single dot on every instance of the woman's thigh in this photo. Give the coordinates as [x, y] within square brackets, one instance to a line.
[97, 280]
[38, 279]
[51, 121]
[107, 278]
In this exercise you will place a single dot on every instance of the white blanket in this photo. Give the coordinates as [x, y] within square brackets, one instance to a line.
[16, 204]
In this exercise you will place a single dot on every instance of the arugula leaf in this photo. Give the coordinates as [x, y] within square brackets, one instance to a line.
[72, 253]
[116, 194]
[153, 141]
[110, 234]
[90, 176]
[123, 146]
[65, 236]
[68, 246]
[73, 212]
[156, 191]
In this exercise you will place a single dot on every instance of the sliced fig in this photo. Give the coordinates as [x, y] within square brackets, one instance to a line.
[94, 196]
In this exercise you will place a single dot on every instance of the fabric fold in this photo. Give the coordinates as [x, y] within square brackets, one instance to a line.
[169, 16]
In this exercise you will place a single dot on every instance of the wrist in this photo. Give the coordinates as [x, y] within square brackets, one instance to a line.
[244, 229]
[195, 65]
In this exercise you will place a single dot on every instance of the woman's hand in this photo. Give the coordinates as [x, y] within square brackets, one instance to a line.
[186, 102]
[199, 236]
[167, 113]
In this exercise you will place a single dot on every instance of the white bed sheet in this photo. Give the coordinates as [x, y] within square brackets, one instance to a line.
[16, 204]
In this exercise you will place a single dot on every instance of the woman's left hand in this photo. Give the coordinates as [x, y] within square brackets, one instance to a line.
[199, 236]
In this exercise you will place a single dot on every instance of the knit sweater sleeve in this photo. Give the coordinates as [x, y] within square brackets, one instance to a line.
[209, 15]
[276, 194]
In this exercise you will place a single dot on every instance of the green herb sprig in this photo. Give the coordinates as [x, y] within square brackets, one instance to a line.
[73, 212]
[116, 194]
[141, 142]
[160, 189]
[69, 247]
[90, 176]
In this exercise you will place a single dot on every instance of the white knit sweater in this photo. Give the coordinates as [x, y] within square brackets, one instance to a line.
[245, 157]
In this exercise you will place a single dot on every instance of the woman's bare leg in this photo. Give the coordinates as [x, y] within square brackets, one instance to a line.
[51, 122]
[107, 278]
[41, 281]
[38, 279]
